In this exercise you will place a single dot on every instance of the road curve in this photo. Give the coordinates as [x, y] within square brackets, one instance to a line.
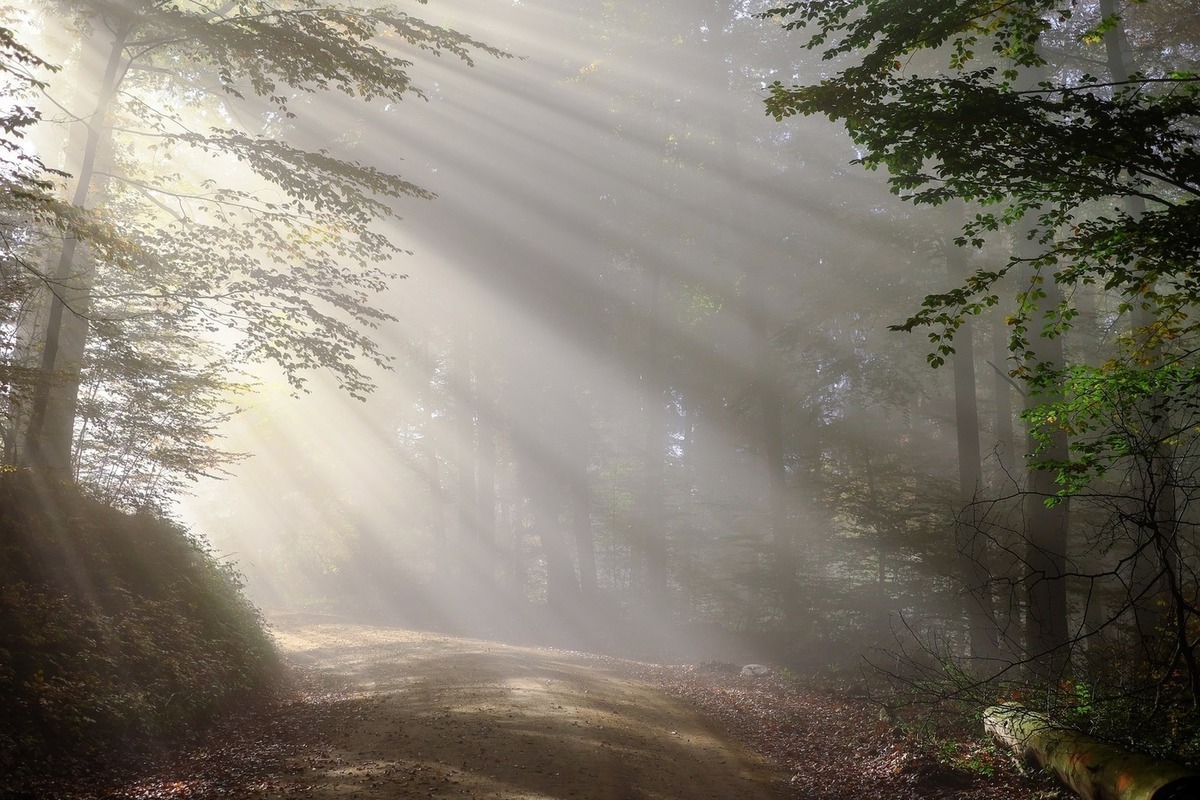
[445, 717]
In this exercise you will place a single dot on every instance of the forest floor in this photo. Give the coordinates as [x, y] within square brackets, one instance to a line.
[390, 713]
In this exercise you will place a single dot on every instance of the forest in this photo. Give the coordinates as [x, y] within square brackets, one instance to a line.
[856, 338]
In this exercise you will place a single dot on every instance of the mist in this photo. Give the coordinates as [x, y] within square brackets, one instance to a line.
[541, 396]
[639, 362]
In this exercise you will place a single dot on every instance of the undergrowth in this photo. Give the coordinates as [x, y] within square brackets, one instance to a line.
[117, 632]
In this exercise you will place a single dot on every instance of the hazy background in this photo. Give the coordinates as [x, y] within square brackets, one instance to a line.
[641, 368]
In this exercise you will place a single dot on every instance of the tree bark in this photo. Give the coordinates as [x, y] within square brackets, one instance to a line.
[49, 434]
[537, 438]
[1002, 389]
[769, 395]
[970, 538]
[1157, 536]
[467, 550]
[485, 459]
[1046, 526]
[581, 524]
[882, 601]
[433, 478]
[1093, 769]
[1046, 530]
[651, 504]
[772, 451]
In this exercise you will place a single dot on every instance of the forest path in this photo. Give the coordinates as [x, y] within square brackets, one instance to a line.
[446, 717]
[379, 712]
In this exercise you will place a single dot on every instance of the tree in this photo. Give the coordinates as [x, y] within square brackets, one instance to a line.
[1096, 178]
[1044, 154]
[283, 256]
[25, 198]
[23, 173]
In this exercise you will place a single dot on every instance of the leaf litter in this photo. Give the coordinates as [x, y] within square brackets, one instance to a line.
[827, 746]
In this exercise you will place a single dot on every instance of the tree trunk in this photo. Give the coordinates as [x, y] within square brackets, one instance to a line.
[514, 523]
[1046, 526]
[883, 602]
[579, 456]
[970, 539]
[1046, 529]
[433, 478]
[437, 506]
[581, 525]
[1002, 389]
[1156, 542]
[485, 459]
[650, 516]
[768, 443]
[50, 431]
[537, 437]
[771, 451]
[1091, 768]
[467, 554]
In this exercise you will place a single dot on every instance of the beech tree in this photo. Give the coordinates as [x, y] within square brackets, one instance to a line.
[1093, 177]
[284, 252]
[26, 203]
[22, 172]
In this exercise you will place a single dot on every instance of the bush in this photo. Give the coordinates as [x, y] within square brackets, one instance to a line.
[116, 631]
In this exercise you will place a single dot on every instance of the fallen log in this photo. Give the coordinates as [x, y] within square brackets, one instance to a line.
[1093, 769]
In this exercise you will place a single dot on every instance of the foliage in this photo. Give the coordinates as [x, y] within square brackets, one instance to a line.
[120, 630]
[21, 173]
[288, 254]
[147, 420]
[278, 261]
[1090, 177]
[1023, 145]
[1120, 420]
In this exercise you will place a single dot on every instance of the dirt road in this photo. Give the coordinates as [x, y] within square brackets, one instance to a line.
[386, 713]
[444, 717]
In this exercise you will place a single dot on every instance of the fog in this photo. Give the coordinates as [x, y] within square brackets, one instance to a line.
[561, 324]
[634, 348]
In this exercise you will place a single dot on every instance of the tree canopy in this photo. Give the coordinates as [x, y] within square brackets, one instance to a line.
[202, 191]
[1067, 134]
[1032, 134]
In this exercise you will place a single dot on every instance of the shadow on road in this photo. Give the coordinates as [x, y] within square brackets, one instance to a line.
[440, 716]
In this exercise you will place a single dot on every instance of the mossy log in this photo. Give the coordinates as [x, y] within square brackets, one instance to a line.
[1092, 769]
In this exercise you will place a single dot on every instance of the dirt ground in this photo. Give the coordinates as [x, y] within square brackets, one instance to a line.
[378, 712]
[445, 717]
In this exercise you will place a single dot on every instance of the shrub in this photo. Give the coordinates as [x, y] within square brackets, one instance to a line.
[116, 630]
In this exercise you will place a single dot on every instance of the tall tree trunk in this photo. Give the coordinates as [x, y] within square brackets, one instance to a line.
[1046, 631]
[468, 553]
[650, 513]
[539, 421]
[562, 588]
[1002, 389]
[581, 522]
[514, 523]
[770, 447]
[577, 444]
[485, 460]
[970, 538]
[1156, 543]
[767, 392]
[1046, 526]
[438, 513]
[874, 502]
[50, 431]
